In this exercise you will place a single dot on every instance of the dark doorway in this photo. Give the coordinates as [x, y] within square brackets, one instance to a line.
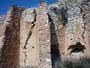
[75, 48]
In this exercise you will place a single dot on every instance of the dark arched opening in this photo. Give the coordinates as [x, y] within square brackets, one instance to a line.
[75, 48]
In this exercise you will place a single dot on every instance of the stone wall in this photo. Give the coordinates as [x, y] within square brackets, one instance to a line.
[35, 38]
[29, 47]
[85, 6]
[11, 47]
[39, 37]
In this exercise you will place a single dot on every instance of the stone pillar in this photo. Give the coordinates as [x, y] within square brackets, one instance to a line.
[29, 45]
[10, 50]
[61, 39]
[44, 38]
[35, 39]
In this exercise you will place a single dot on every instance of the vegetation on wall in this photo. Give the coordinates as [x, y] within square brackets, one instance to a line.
[83, 63]
[61, 14]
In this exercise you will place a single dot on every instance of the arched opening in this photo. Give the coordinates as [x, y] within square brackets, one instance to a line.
[76, 48]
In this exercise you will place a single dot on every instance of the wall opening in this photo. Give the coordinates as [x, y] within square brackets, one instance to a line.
[76, 48]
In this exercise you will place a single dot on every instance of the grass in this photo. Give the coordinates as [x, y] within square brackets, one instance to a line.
[83, 63]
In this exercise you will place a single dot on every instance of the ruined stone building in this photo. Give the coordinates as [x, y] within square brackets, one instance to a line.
[38, 37]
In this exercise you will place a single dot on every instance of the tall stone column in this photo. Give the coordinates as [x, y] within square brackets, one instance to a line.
[44, 38]
[35, 39]
[29, 45]
[10, 50]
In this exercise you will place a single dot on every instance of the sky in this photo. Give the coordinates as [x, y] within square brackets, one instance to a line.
[5, 4]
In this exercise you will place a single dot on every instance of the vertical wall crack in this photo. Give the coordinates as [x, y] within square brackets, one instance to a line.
[28, 37]
[30, 32]
[84, 26]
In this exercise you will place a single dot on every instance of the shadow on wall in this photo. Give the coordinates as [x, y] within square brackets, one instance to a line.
[62, 16]
[54, 43]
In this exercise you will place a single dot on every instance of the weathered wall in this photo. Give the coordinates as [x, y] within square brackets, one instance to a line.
[2, 29]
[35, 37]
[85, 11]
[76, 29]
[10, 50]
[70, 27]
[29, 47]
[39, 37]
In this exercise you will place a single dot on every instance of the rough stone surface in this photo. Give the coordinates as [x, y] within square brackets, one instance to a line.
[39, 37]
[11, 47]
[85, 11]
[2, 18]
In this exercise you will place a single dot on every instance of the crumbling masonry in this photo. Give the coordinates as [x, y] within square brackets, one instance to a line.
[39, 37]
